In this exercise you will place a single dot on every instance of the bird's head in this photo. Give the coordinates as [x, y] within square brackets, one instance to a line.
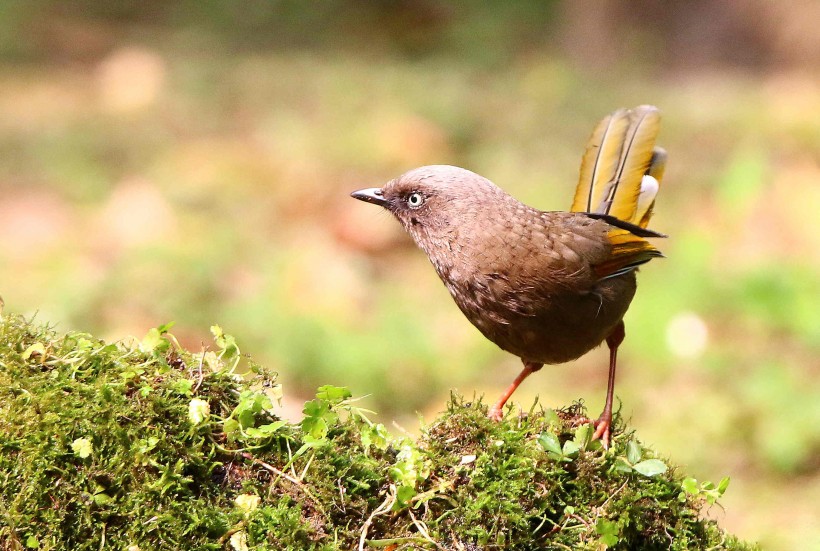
[431, 201]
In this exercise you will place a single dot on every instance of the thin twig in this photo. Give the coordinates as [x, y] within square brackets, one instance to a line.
[382, 509]
[422, 528]
[237, 528]
[307, 466]
[393, 542]
[287, 477]
[290, 459]
[429, 494]
[201, 376]
[341, 495]
[613, 494]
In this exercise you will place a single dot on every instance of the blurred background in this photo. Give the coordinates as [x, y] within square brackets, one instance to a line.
[191, 161]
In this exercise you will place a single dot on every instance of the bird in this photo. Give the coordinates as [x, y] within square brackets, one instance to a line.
[546, 286]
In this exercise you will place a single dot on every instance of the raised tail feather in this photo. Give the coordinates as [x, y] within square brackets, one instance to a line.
[619, 156]
[621, 172]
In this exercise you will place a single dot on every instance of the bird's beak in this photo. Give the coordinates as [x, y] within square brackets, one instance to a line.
[370, 195]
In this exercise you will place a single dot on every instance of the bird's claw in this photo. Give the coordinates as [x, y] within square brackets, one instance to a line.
[495, 414]
[602, 431]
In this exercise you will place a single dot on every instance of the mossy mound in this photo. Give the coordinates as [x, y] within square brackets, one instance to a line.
[148, 446]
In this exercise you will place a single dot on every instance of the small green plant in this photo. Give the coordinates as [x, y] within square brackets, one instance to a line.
[705, 491]
[411, 468]
[633, 461]
[569, 450]
[608, 532]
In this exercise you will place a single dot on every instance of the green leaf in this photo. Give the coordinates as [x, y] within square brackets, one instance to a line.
[608, 532]
[102, 499]
[182, 386]
[250, 404]
[609, 540]
[36, 348]
[84, 344]
[154, 341]
[318, 418]
[315, 427]
[403, 495]
[633, 452]
[650, 467]
[582, 436]
[333, 394]
[409, 467]
[32, 542]
[145, 445]
[690, 486]
[310, 443]
[622, 466]
[316, 408]
[82, 447]
[571, 448]
[226, 343]
[247, 502]
[198, 411]
[723, 485]
[551, 418]
[550, 443]
[231, 426]
[265, 431]
[375, 435]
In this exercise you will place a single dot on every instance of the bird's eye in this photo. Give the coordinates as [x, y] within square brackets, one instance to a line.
[415, 200]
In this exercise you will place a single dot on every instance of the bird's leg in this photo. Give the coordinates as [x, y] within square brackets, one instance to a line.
[604, 422]
[496, 412]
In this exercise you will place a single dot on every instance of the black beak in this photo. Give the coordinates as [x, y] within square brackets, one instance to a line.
[370, 195]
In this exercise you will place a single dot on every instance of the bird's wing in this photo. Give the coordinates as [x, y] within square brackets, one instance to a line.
[628, 252]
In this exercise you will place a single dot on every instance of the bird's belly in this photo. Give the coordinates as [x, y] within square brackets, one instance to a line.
[556, 328]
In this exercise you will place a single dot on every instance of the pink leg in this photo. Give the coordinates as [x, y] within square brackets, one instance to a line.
[604, 422]
[496, 412]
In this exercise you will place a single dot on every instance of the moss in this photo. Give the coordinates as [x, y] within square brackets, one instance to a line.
[149, 445]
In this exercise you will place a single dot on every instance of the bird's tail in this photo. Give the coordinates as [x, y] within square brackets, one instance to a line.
[621, 170]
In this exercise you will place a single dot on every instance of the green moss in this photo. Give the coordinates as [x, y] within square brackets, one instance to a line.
[148, 445]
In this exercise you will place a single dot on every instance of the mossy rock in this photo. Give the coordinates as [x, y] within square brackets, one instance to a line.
[148, 446]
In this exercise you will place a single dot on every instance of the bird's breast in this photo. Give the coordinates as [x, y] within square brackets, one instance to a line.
[536, 318]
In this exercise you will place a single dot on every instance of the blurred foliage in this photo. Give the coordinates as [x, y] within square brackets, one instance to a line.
[191, 161]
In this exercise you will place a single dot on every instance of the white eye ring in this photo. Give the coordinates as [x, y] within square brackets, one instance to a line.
[415, 200]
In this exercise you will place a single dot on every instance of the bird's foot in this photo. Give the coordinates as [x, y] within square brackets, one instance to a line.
[603, 427]
[495, 413]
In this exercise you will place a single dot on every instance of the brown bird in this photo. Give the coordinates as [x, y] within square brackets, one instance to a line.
[545, 286]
